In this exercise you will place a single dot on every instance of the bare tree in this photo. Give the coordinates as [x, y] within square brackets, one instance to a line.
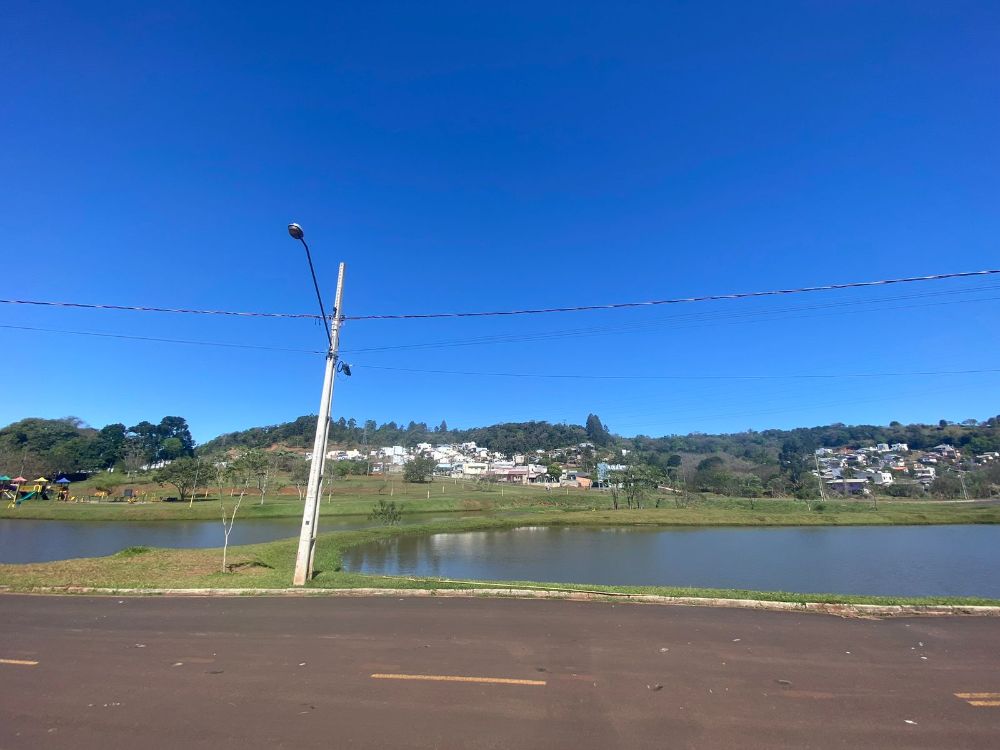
[300, 478]
[229, 475]
[260, 466]
[134, 457]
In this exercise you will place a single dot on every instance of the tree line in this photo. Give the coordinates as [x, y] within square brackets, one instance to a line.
[33, 447]
[749, 463]
[509, 437]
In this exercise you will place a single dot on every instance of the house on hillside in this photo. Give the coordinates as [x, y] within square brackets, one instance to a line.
[848, 486]
[877, 476]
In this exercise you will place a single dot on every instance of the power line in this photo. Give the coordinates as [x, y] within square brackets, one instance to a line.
[140, 308]
[530, 311]
[694, 320]
[572, 376]
[681, 300]
[560, 376]
[163, 340]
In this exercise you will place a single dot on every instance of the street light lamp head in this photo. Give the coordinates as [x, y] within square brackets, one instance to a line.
[295, 231]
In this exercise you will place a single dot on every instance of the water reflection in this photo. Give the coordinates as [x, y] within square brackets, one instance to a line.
[25, 540]
[903, 560]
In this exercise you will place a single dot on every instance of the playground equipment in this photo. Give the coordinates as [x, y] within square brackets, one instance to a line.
[63, 492]
[17, 490]
[7, 489]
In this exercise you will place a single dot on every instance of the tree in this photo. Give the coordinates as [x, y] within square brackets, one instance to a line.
[750, 487]
[632, 483]
[185, 474]
[252, 467]
[227, 475]
[300, 477]
[777, 486]
[110, 445]
[711, 476]
[171, 448]
[946, 486]
[177, 428]
[146, 436]
[133, 455]
[418, 469]
[554, 470]
[596, 431]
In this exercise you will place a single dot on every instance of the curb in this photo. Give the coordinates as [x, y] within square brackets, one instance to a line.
[841, 610]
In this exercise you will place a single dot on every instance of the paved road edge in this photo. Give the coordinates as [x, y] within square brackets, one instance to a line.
[842, 610]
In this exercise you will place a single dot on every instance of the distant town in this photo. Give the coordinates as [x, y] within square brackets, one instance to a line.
[840, 470]
[470, 461]
[853, 471]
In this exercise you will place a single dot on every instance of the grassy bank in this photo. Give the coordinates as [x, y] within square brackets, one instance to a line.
[270, 566]
[355, 498]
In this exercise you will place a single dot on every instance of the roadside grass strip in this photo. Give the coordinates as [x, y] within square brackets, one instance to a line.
[981, 700]
[459, 678]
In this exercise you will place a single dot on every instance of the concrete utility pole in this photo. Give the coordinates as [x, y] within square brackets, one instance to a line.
[314, 490]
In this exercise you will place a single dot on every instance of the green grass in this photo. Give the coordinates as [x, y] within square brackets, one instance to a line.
[355, 497]
[270, 565]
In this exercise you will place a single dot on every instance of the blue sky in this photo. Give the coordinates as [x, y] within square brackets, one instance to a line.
[474, 156]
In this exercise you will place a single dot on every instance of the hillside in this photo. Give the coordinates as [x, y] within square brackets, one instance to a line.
[57, 446]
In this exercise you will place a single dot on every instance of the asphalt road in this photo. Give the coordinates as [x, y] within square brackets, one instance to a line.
[298, 673]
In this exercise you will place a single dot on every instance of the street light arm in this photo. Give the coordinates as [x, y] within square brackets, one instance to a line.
[319, 297]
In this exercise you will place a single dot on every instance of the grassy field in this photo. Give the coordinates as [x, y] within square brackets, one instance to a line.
[270, 566]
[356, 496]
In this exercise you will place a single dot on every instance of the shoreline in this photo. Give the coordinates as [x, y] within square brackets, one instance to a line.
[267, 567]
[839, 609]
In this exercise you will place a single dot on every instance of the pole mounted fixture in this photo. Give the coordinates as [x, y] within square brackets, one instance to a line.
[296, 233]
[305, 557]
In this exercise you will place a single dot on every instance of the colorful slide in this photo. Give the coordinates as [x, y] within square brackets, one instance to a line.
[27, 497]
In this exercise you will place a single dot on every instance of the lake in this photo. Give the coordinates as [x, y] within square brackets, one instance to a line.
[874, 560]
[25, 540]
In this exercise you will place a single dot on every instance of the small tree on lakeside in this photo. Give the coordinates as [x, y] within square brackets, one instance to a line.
[185, 474]
[419, 469]
[240, 473]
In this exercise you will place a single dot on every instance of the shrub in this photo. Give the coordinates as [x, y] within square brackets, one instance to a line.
[388, 514]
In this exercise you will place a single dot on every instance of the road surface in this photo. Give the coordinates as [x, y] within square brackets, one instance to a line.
[152, 673]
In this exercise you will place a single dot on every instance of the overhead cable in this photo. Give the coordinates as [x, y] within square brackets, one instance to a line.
[574, 376]
[529, 311]
[155, 339]
[558, 376]
[681, 300]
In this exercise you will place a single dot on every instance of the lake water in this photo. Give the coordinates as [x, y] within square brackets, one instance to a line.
[898, 560]
[24, 540]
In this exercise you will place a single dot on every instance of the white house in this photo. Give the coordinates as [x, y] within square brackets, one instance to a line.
[878, 477]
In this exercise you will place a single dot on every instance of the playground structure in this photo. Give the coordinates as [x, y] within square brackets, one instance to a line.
[19, 490]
